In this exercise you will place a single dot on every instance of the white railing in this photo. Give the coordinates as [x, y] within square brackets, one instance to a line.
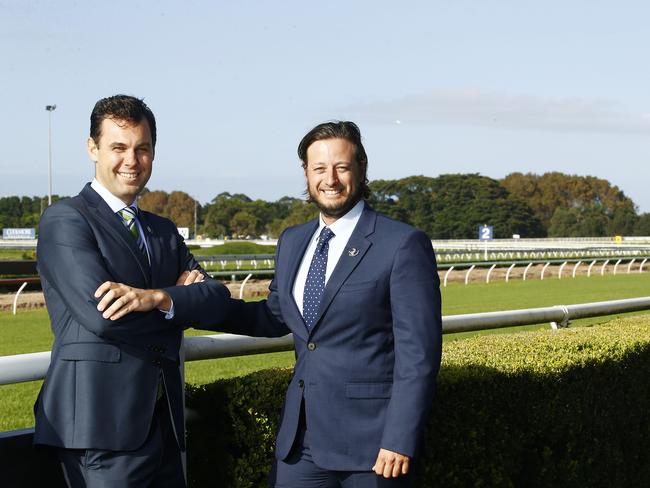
[30, 367]
[510, 265]
[542, 242]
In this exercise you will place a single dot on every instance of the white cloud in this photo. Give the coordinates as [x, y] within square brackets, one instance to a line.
[502, 110]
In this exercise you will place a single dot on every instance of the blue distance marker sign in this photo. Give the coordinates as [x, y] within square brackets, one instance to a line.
[19, 233]
[485, 232]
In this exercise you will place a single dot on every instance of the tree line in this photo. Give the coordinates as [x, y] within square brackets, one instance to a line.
[448, 206]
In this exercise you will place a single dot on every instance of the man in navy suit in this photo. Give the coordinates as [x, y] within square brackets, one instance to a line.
[360, 293]
[111, 404]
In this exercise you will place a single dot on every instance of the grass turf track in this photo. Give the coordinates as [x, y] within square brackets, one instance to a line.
[29, 331]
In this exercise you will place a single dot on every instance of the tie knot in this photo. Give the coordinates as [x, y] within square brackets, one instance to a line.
[325, 235]
[128, 213]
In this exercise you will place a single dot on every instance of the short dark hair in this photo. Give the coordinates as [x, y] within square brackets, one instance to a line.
[338, 129]
[121, 107]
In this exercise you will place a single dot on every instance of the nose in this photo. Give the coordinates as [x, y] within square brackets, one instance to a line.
[130, 158]
[331, 177]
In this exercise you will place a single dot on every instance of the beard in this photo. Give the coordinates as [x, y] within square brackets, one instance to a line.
[335, 210]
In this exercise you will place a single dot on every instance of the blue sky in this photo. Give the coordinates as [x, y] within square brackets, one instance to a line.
[436, 87]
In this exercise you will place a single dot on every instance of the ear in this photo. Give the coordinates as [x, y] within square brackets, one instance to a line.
[92, 149]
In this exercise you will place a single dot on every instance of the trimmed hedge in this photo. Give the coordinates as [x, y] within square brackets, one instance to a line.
[563, 409]
[237, 247]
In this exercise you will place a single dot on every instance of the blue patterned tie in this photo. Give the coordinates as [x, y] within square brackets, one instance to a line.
[129, 216]
[315, 284]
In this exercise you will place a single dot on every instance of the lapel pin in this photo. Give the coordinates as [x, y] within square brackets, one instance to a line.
[353, 251]
[149, 229]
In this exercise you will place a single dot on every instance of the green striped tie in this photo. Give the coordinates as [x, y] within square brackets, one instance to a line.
[129, 216]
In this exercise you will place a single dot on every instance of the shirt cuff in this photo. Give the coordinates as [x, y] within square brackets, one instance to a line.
[169, 314]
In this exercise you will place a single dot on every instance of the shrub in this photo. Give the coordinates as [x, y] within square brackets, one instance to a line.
[537, 409]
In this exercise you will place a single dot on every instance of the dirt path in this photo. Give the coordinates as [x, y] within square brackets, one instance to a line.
[35, 299]
[256, 289]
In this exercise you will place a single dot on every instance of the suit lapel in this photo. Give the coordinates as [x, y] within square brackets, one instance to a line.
[298, 248]
[352, 255]
[111, 221]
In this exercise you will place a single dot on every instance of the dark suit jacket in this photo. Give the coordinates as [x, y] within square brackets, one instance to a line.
[366, 371]
[101, 386]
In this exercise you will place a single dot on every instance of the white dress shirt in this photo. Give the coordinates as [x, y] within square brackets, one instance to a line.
[342, 228]
[116, 205]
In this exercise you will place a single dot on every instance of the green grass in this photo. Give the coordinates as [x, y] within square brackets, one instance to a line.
[237, 247]
[29, 331]
[17, 254]
[481, 297]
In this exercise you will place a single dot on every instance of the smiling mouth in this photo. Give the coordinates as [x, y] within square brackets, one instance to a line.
[331, 193]
[129, 176]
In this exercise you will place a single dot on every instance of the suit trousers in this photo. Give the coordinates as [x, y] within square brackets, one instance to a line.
[156, 464]
[300, 471]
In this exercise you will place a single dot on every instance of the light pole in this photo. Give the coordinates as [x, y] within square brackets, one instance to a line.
[196, 203]
[50, 109]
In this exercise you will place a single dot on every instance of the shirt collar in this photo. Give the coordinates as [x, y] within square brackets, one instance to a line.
[345, 224]
[111, 200]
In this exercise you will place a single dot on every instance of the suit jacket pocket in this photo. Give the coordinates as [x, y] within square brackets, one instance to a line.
[358, 286]
[90, 351]
[369, 390]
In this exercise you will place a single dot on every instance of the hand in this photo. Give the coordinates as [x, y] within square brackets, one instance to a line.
[189, 277]
[120, 299]
[391, 464]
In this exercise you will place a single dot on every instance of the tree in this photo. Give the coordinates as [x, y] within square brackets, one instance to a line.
[598, 205]
[180, 209]
[454, 206]
[243, 224]
[154, 202]
[574, 222]
[642, 227]
[177, 206]
[299, 213]
[622, 222]
[219, 213]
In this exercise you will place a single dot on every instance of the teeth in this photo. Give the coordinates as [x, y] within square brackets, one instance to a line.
[129, 176]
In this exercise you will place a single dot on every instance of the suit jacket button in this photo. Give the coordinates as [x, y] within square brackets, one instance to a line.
[301, 383]
[311, 346]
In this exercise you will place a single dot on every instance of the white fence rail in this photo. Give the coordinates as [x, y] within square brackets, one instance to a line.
[30, 367]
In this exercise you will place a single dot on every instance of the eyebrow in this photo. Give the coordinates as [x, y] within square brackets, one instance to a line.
[337, 163]
[123, 144]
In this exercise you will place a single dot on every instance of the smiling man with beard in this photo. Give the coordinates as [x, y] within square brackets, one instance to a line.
[360, 293]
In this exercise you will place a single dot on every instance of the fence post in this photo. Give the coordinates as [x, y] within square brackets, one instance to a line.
[591, 266]
[487, 278]
[575, 268]
[602, 269]
[446, 276]
[468, 272]
[243, 284]
[22, 287]
[544, 269]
